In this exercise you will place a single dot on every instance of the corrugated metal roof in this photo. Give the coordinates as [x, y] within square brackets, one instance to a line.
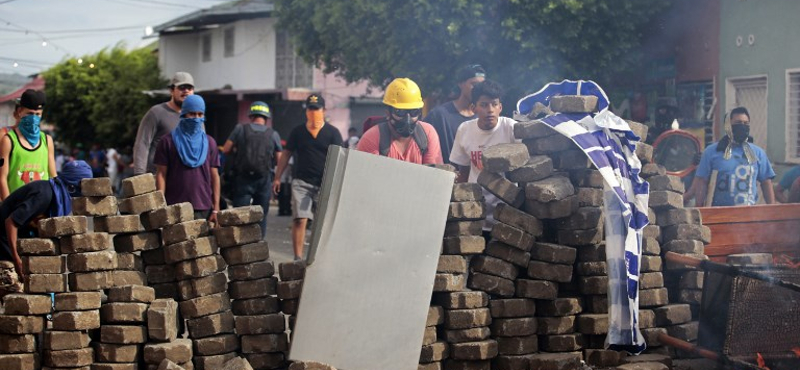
[37, 84]
[218, 14]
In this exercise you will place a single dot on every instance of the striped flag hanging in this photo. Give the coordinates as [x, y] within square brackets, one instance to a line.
[610, 144]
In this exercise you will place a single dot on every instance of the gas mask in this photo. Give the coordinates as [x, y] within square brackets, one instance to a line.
[407, 121]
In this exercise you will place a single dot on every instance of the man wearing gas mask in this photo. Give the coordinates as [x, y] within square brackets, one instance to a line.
[402, 135]
[27, 153]
[308, 143]
[23, 209]
[730, 169]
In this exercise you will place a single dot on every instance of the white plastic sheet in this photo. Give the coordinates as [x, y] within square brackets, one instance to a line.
[374, 253]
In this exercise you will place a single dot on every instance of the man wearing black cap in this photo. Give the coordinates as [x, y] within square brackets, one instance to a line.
[160, 120]
[255, 147]
[446, 118]
[309, 144]
[26, 153]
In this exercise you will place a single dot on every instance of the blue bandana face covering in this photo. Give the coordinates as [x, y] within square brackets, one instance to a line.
[29, 126]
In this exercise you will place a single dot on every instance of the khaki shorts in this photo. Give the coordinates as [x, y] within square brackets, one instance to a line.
[304, 199]
[9, 280]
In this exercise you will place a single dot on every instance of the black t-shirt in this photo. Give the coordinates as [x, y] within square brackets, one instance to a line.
[23, 205]
[446, 119]
[310, 153]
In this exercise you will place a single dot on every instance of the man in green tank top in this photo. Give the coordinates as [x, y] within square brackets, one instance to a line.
[27, 153]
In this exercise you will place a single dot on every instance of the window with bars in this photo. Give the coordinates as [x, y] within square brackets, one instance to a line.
[793, 115]
[290, 69]
[206, 47]
[229, 41]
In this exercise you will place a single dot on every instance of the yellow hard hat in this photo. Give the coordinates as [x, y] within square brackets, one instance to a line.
[403, 93]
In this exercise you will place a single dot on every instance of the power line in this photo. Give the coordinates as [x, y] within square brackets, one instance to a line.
[153, 3]
[77, 30]
[44, 39]
[15, 41]
[6, 2]
[28, 61]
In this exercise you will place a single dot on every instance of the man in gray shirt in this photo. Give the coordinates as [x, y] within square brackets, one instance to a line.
[160, 120]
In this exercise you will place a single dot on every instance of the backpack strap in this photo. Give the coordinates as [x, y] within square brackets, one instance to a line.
[385, 138]
[419, 135]
[421, 138]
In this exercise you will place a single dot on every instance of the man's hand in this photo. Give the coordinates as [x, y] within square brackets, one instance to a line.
[212, 220]
[276, 186]
[20, 270]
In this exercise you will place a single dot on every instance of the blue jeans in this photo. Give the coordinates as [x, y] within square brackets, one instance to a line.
[258, 191]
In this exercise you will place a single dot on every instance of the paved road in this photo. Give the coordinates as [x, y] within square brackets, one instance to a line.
[279, 237]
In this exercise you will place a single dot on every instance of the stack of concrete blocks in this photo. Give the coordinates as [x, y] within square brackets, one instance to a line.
[259, 324]
[77, 314]
[160, 275]
[463, 322]
[67, 346]
[162, 330]
[21, 323]
[681, 231]
[99, 202]
[23, 318]
[532, 260]
[201, 285]
[291, 282]
[122, 324]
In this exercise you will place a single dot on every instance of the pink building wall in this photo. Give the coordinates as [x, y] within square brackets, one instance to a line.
[337, 93]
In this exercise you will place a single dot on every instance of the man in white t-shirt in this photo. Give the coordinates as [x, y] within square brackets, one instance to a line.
[475, 135]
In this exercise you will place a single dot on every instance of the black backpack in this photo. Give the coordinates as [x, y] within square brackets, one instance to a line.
[419, 135]
[254, 156]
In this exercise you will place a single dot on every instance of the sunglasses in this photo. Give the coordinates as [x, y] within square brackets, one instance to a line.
[185, 87]
[406, 112]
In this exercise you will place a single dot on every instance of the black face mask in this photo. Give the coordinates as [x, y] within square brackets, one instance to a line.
[404, 126]
[740, 132]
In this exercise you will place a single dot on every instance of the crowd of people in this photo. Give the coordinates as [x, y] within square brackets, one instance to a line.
[172, 144]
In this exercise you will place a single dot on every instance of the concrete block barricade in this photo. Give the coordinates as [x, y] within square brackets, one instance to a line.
[138, 185]
[532, 294]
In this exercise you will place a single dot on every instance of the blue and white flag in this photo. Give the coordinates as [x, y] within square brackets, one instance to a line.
[610, 144]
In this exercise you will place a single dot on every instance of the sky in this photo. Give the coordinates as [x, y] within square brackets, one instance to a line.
[74, 28]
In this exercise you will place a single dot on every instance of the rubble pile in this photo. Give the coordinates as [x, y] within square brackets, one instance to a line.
[535, 295]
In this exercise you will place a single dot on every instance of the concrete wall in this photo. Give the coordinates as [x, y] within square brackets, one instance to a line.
[253, 58]
[774, 27]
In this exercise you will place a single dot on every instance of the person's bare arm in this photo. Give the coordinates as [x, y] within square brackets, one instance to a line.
[51, 157]
[228, 147]
[769, 191]
[161, 178]
[463, 173]
[11, 234]
[701, 190]
[780, 194]
[5, 150]
[283, 161]
[214, 196]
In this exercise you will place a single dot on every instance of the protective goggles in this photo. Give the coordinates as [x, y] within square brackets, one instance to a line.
[406, 112]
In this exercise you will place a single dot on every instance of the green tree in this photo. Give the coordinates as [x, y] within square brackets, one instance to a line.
[101, 99]
[522, 43]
